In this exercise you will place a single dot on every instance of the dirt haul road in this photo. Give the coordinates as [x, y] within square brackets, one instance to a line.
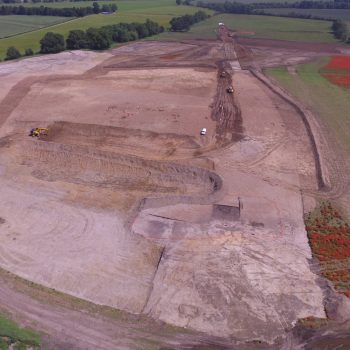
[124, 204]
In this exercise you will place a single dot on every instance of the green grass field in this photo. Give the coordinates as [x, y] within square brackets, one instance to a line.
[263, 27]
[123, 5]
[12, 25]
[342, 14]
[22, 337]
[63, 4]
[248, 1]
[330, 102]
[160, 11]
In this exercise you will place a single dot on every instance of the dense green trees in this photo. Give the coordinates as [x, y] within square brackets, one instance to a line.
[227, 7]
[183, 23]
[29, 52]
[12, 53]
[97, 39]
[340, 30]
[51, 11]
[93, 38]
[52, 43]
[76, 40]
[305, 4]
[102, 38]
[95, 7]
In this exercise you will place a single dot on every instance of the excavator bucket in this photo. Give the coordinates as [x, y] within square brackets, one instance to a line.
[36, 132]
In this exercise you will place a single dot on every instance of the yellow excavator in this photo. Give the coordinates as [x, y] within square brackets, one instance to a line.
[37, 132]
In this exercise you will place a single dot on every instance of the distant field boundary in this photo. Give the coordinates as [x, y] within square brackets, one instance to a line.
[34, 30]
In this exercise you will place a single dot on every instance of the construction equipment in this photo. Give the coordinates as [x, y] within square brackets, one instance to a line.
[230, 90]
[37, 132]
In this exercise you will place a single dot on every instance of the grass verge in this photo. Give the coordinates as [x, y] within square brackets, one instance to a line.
[19, 338]
[343, 14]
[329, 101]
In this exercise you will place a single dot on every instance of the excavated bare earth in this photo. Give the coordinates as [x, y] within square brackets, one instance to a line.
[124, 204]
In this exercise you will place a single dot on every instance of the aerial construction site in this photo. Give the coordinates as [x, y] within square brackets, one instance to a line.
[196, 238]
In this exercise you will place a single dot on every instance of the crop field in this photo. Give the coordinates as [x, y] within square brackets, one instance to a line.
[12, 25]
[248, 1]
[342, 14]
[129, 11]
[262, 27]
[330, 101]
[123, 5]
[64, 4]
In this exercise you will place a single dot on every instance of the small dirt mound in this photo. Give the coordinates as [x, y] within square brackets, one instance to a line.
[92, 167]
[137, 142]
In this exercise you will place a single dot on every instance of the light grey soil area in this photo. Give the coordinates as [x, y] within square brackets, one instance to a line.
[188, 241]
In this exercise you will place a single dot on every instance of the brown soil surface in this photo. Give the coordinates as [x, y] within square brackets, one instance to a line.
[285, 53]
[124, 204]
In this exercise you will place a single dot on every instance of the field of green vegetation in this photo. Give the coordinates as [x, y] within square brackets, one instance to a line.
[247, 1]
[293, 29]
[63, 4]
[21, 338]
[12, 25]
[160, 11]
[342, 14]
[330, 102]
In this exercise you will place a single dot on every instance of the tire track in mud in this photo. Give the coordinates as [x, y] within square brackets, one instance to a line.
[226, 111]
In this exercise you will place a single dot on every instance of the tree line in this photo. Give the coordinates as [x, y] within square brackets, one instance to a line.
[237, 7]
[93, 38]
[63, 12]
[227, 7]
[340, 30]
[305, 4]
[38, 1]
[183, 23]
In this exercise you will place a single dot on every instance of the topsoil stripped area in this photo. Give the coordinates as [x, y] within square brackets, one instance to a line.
[124, 204]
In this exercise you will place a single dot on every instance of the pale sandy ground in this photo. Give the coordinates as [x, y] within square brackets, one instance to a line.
[249, 279]
[164, 101]
[69, 62]
[64, 210]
